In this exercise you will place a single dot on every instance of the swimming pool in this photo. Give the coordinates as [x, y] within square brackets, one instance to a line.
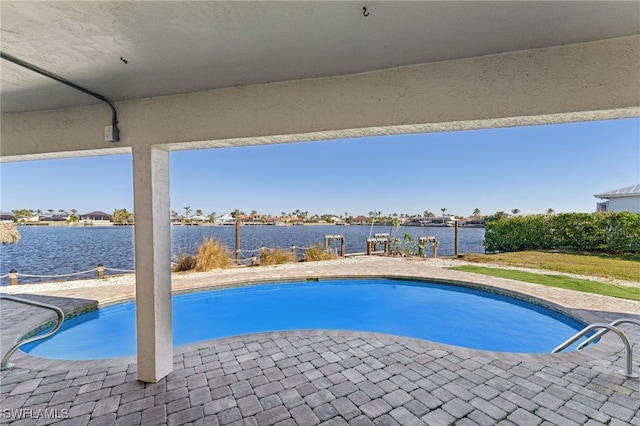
[438, 312]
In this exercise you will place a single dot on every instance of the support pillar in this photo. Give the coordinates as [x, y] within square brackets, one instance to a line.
[153, 263]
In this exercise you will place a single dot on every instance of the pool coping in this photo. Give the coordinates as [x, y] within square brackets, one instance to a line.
[555, 299]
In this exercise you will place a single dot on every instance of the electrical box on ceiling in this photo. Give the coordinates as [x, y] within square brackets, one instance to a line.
[111, 134]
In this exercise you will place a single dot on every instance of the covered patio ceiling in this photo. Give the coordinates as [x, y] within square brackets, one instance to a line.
[192, 75]
[142, 49]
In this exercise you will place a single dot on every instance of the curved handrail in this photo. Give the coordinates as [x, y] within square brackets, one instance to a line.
[605, 330]
[628, 371]
[5, 364]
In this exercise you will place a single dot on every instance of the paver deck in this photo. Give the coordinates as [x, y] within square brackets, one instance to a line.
[327, 377]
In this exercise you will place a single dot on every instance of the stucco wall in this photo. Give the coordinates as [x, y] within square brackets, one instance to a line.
[625, 204]
[587, 81]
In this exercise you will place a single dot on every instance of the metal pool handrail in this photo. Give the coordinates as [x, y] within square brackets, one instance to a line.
[5, 364]
[628, 371]
[605, 330]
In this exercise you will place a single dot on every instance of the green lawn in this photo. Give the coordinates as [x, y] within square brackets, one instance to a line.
[599, 265]
[569, 283]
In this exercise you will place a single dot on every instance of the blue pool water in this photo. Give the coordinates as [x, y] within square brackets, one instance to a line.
[437, 312]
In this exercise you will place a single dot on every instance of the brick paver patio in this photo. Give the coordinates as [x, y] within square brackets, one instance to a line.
[327, 377]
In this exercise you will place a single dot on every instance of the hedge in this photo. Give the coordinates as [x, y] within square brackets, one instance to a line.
[616, 232]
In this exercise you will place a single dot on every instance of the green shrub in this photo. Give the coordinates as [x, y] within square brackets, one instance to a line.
[605, 232]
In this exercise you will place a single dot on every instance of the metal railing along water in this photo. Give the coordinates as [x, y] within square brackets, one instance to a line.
[5, 364]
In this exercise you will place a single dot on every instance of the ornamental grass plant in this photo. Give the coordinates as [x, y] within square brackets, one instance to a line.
[9, 233]
[185, 262]
[316, 253]
[276, 256]
[212, 254]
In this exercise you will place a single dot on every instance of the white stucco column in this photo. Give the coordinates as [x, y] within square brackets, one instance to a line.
[153, 263]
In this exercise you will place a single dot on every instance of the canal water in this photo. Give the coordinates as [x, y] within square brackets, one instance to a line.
[59, 250]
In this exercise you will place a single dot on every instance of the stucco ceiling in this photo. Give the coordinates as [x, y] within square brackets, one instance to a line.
[129, 50]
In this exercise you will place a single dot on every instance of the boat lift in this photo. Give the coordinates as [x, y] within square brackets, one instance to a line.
[423, 241]
[372, 244]
[329, 238]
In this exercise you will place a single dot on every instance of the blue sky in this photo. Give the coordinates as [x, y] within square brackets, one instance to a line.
[529, 168]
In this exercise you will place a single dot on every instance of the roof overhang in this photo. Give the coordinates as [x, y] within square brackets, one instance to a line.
[133, 50]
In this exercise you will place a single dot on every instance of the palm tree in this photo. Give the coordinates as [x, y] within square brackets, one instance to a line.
[515, 211]
[476, 212]
[50, 211]
[444, 209]
[187, 210]
[198, 212]
[550, 211]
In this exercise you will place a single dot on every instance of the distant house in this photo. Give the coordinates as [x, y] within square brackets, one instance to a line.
[226, 219]
[271, 220]
[625, 199]
[7, 217]
[474, 221]
[199, 218]
[359, 220]
[54, 218]
[96, 216]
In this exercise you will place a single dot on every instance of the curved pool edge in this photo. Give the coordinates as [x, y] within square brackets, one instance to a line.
[410, 270]
[607, 347]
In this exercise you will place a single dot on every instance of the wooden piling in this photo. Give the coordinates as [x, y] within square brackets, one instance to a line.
[455, 239]
[237, 241]
[100, 270]
[13, 277]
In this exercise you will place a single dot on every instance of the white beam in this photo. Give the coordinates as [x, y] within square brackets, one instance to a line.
[587, 81]
[153, 263]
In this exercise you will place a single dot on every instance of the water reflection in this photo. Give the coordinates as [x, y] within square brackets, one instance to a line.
[59, 250]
